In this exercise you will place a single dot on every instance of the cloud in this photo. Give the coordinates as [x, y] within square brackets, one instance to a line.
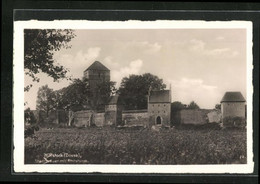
[219, 38]
[109, 62]
[235, 53]
[187, 90]
[197, 45]
[133, 68]
[200, 47]
[78, 62]
[144, 46]
[217, 51]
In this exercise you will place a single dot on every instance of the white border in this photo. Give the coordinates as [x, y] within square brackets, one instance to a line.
[18, 98]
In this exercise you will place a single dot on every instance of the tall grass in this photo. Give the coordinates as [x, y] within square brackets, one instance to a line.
[143, 146]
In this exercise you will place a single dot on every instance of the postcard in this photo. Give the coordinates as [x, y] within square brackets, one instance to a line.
[132, 96]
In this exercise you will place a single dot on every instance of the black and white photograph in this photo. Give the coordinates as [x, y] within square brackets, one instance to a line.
[133, 96]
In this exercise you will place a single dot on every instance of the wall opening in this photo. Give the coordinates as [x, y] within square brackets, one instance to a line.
[91, 120]
[158, 120]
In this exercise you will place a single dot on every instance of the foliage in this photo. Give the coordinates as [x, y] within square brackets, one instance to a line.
[45, 99]
[134, 89]
[230, 122]
[143, 146]
[29, 117]
[30, 123]
[104, 90]
[218, 106]
[193, 105]
[39, 48]
[30, 131]
[78, 94]
[177, 106]
[206, 126]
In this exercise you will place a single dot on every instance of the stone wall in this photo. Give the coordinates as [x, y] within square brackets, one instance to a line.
[233, 109]
[110, 118]
[63, 117]
[159, 111]
[135, 117]
[176, 118]
[54, 117]
[96, 76]
[214, 116]
[99, 119]
[194, 116]
[129, 118]
[83, 118]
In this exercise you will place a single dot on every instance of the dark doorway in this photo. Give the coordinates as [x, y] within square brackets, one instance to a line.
[91, 120]
[158, 120]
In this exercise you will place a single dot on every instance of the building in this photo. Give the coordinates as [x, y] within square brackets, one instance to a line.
[159, 107]
[96, 73]
[233, 105]
[158, 112]
[113, 111]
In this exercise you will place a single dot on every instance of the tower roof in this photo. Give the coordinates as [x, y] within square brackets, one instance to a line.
[113, 100]
[162, 96]
[233, 96]
[97, 66]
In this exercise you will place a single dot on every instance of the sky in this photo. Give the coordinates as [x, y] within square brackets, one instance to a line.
[199, 64]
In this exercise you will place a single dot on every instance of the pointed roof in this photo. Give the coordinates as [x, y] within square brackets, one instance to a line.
[233, 96]
[113, 100]
[162, 96]
[97, 66]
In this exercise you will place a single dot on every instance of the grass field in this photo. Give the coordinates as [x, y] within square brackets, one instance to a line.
[136, 146]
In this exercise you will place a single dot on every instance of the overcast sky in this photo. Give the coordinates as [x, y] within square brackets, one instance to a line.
[200, 64]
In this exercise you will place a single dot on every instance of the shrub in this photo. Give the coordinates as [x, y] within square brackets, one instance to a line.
[30, 130]
[30, 123]
[230, 122]
[29, 117]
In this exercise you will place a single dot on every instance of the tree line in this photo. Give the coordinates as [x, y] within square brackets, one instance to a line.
[39, 48]
[133, 92]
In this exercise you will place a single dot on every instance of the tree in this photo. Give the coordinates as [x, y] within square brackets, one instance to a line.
[39, 47]
[218, 106]
[104, 90]
[45, 99]
[78, 94]
[30, 123]
[177, 106]
[29, 117]
[193, 105]
[134, 89]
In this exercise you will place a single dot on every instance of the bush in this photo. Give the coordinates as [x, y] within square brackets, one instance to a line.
[207, 126]
[230, 122]
[30, 123]
[29, 117]
[30, 130]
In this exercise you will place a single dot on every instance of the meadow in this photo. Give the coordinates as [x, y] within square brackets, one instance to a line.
[110, 145]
